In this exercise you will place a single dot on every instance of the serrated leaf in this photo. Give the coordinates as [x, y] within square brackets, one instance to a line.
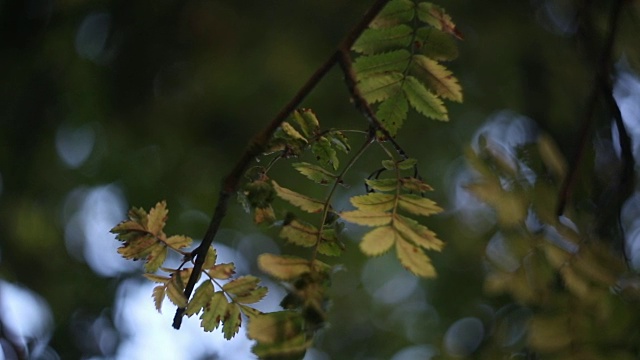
[413, 184]
[367, 218]
[138, 215]
[299, 233]
[249, 311]
[158, 297]
[396, 60]
[374, 202]
[378, 40]
[127, 226]
[241, 285]
[314, 172]
[435, 44]
[422, 100]
[200, 298]
[418, 205]
[330, 248]
[232, 322]
[382, 184]
[414, 259]
[325, 153]
[275, 327]
[156, 258]
[214, 312]
[283, 267]
[416, 233]
[222, 271]
[392, 112]
[210, 258]
[179, 241]
[157, 218]
[157, 278]
[303, 202]
[395, 12]
[138, 248]
[253, 296]
[439, 79]
[292, 132]
[339, 140]
[436, 16]
[378, 241]
[175, 291]
[381, 86]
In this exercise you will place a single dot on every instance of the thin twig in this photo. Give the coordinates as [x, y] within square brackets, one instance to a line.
[259, 142]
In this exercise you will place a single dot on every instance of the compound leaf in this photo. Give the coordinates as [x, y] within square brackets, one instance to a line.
[414, 259]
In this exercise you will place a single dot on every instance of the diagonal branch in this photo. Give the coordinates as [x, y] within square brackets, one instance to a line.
[258, 143]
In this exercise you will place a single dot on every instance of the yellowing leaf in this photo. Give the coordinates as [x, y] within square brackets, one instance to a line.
[200, 298]
[138, 215]
[413, 184]
[264, 215]
[292, 132]
[275, 327]
[378, 40]
[374, 202]
[138, 248]
[436, 44]
[378, 241]
[157, 278]
[156, 257]
[418, 205]
[381, 86]
[222, 271]
[232, 322]
[158, 297]
[299, 233]
[422, 100]
[307, 120]
[303, 202]
[416, 233]
[314, 172]
[179, 241]
[253, 296]
[438, 18]
[175, 292]
[367, 218]
[214, 311]
[157, 217]
[241, 285]
[210, 258]
[127, 226]
[437, 77]
[382, 184]
[395, 12]
[339, 140]
[414, 259]
[283, 267]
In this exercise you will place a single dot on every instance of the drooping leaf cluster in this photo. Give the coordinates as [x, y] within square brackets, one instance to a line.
[400, 62]
[572, 285]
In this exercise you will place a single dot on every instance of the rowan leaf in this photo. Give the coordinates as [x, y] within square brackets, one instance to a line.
[307, 121]
[413, 184]
[396, 60]
[303, 202]
[407, 164]
[138, 248]
[275, 327]
[200, 298]
[367, 218]
[435, 44]
[127, 226]
[156, 257]
[264, 215]
[222, 271]
[414, 259]
[380, 86]
[416, 233]
[252, 296]
[210, 258]
[382, 184]
[378, 241]
[232, 321]
[175, 291]
[339, 140]
[157, 218]
[242, 285]
[325, 153]
[157, 278]
[375, 40]
[283, 267]
[179, 241]
[158, 297]
[418, 205]
[423, 101]
[314, 172]
[374, 202]
[139, 216]
[395, 12]
[437, 77]
[214, 312]
[436, 16]
[299, 233]
[392, 112]
[292, 132]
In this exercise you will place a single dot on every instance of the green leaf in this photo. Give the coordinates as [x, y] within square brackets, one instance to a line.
[314, 172]
[389, 164]
[200, 298]
[339, 140]
[210, 258]
[156, 257]
[378, 241]
[325, 153]
[367, 218]
[422, 100]
[292, 132]
[439, 79]
[418, 205]
[307, 121]
[291, 349]
[435, 44]
[259, 193]
[407, 164]
[381, 39]
[138, 248]
[395, 12]
[275, 327]
[383, 184]
[232, 322]
[158, 297]
[414, 260]
[215, 310]
[392, 112]
[381, 86]
[283, 267]
[329, 243]
[157, 278]
[175, 291]
[299, 233]
[374, 202]
[438, 18]
[303, 202]
[179, 241]
[157, 218]
[416, 233]
[241, 285]
[253, 296]
[396, 60]
[222, 271]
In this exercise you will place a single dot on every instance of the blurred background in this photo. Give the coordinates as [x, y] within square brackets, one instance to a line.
[106, 105]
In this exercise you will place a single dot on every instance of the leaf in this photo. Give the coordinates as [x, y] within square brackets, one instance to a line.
[214, 311]
[374, 202]
[396, 60]
[253, 296]
[423, 101]
[299, 233]
[389, 164]
[259, 193]
[413, 184]
[416, 233]
[156, 257]
[392, 112]
[381, 39]
[378, 241]
[438, 18]
[264, 215]
[382, 184]
[414, 259]
[175, 291]
[418, 205]
[381, 86]
[325, 153]
[307, 121]
[139, 216]
[407, 164]
[435, 44]
[157, 217]
[138, 248]
[314, 172]
[158, 297]
[127, 226]
[200, 298]
[439, 79]
[367, 218]
[275, 327]
[157, 278]
[210, 258]
[395, 12]
[303, 202]
[232, 322]
[283, 267]
[339, 140]
[292, 132]
[291, 349]
[241, 285]
[222, 271]
[179, 241]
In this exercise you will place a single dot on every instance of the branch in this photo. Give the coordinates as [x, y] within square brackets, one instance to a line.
[258, 143]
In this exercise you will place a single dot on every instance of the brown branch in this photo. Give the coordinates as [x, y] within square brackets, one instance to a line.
[258, 143]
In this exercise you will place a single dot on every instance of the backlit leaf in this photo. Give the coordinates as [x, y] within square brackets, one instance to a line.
[127, 226]
[214, 312]
[290, 349]
[381, 86]
[292, 132]
[222, 271]
[422, 100]
[413, 184]
[378, 241]
[253, 296]
[210, 258]
[325, 153]
[179, 241]
[437, 77]
[175, 291]
[232, 322]
[436, 44]
[382, 184]
[438, 18]
[241, 285]
[200, 298]
[393, 111]
[283, 267]
[416, 233]
[418, 205]
[374, 202]
[275, 327]
[157, 278]
[264, 215]
[396, 60]
[138, 248]
[395, 12]
[299, 233]
[314, 172]
[158, 297]
[382, 39]
[157, 217]
[139, 215]
[414, 259]
[156, 257]
[367, 218]
[407, 164]
[303, 202]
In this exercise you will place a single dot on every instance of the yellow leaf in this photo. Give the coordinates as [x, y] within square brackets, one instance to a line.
[156, 257]
[367, 218]
[303, 202]
[214, 311]
[275, 327]
[158, 297]
[222, 271]
[157, 217]
[414, 259]
[232, 322]
[211, 258]
[378, 241]
[241, 285]
[416, 233]
[137, 248]
[157, 278]
[439, 79]
[374, 202]
[292, 132]
[283, 267]
[253, 296]
[175, 292]
[299, 233]
[200, 298]
[418, 205]
[179, 241]
[382, 184]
